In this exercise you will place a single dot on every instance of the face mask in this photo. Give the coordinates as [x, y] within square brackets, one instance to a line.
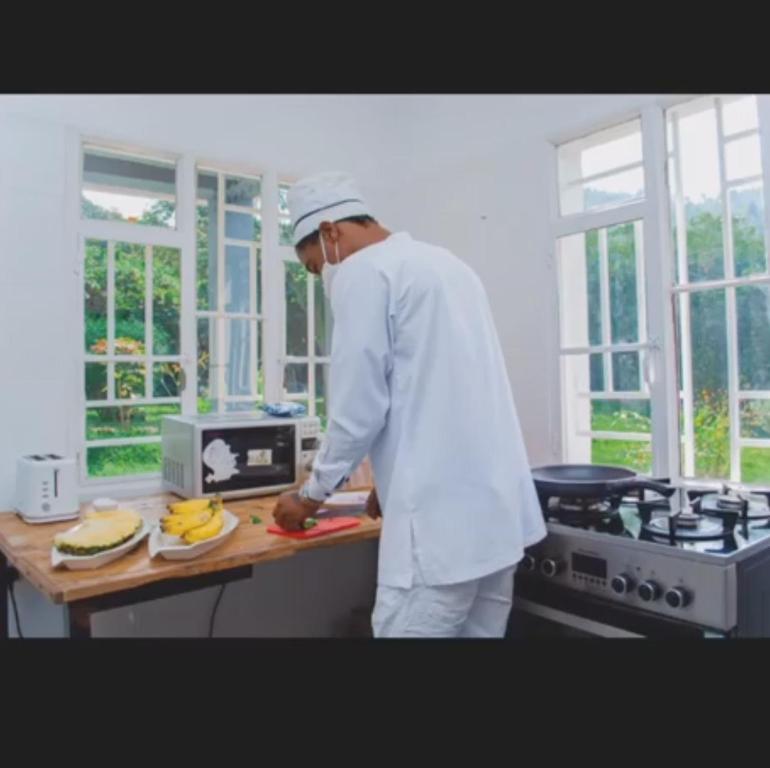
[328, 269]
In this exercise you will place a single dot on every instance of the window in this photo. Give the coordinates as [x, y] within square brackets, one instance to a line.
[667, 336]
[722, 287]
[601, 170]
[603, 335]
[132, 355]
[122, 187]
[308, 331]
[229, 292]
[181, 282]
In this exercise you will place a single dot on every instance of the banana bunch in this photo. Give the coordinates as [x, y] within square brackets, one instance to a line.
[194, 520]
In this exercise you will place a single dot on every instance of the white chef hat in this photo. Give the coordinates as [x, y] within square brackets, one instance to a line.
[327, 196]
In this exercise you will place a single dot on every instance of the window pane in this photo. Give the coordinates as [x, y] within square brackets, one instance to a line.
[129, 381]
[237, 284]
[739, 114]
[207, 376]
[583, 415]
[285, 231]
[127, 421]
[126, 188]
[96, 381]
[753, 310]
[755, 419]
[609, 191]
[295, 378]
[755, 466]
[597, 373]
[593, 283]
[242, 226]
[632, 454]
[242, 191]
[296, 309]
[323, 320]
[166, 300]
[238, 368]
[621, 416]
[621, 257]
[743, 158]
[580, 286]
[747, 209]
[166, 379]
[95, 290]
[708, 335]
[694, 136]
[206, 236]
[284, 221]
[626, 372]
[129, 299]
[124, 460]
[580, 289]
[601, 153]
[321, 390]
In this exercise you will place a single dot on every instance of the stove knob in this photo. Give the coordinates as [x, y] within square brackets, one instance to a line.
[678, 597]
[551, 566]
[528, 563]
[622, 584]
[649, 591]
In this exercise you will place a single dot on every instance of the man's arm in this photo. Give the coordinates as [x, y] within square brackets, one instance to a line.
[360, 365]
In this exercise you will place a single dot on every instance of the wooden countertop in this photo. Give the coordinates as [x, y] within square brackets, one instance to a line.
[28, 548]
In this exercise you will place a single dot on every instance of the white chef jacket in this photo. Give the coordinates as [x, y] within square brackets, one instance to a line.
[418, 382]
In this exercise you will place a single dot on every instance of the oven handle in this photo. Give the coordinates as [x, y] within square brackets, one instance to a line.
[570, 620]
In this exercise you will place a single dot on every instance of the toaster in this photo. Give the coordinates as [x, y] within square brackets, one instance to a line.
[46, 488]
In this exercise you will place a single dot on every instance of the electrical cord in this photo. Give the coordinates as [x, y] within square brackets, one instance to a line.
[214, 611]
[15, 610]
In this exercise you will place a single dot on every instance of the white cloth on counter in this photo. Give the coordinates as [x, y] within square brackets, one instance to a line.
[418, 382]
[474, 609]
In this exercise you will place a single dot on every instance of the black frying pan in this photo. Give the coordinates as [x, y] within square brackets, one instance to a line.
[591, 481]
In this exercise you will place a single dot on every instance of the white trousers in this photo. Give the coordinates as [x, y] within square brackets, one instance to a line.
[477, 608]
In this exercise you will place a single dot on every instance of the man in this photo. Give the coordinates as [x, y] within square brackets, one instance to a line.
[418, 383]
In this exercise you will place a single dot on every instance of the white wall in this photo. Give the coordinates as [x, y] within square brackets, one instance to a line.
[476, 179]
[468, 172]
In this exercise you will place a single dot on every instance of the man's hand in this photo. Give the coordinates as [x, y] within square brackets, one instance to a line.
[373, 505]
[291, 510]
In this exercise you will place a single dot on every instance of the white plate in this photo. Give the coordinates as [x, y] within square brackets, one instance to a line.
[172, 547]
[86, 562]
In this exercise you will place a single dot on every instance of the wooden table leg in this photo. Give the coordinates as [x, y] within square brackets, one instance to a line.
[79, 619]
[5, 583]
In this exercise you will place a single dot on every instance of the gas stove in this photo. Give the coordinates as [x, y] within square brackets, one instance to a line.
[694, 562]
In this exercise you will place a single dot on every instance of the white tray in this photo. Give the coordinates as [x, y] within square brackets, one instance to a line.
[86, 562]
[172, 547]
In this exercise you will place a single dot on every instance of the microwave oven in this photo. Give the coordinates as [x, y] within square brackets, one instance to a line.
[237, 455]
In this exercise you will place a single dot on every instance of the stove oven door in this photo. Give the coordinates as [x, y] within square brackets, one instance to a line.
[543, 609]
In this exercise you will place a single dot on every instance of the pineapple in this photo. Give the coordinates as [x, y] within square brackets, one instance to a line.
[99, 532]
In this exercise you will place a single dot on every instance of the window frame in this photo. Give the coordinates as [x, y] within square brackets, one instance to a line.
[221, 316]
[683, 288]
[661, 285]
[182, 237]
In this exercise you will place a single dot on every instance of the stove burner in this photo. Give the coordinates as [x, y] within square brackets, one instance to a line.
[688, 519]
[695, 527]
[725, 501]
[601, 514]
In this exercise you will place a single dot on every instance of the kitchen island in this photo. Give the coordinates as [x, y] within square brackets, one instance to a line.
[135, 577]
